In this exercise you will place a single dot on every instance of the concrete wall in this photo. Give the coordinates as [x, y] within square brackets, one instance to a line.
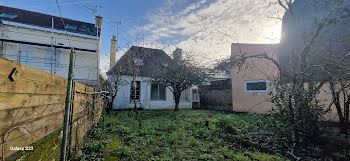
[260, 69]
[257, 69]
[298, 28]
[52, 60]
[122, 100]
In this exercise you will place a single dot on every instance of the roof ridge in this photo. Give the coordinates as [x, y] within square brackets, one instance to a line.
[44, 14]
[45, 20]
[147, 48]
[156, 56]
[247, 44]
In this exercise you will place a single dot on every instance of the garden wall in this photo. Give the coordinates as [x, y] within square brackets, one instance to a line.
[217, 96]
[32, 106]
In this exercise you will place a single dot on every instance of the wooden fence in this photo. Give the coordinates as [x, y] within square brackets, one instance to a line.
[32, 106]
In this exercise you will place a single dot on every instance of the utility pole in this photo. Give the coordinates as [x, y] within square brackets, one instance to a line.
[98, 26]
[52, 28]
[67, 110]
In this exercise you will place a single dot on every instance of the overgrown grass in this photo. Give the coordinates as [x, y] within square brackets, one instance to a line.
[47, 148]
[189, 135]
[96, 143]
[202, 135]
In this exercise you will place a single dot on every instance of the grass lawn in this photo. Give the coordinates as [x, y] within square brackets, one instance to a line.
[185, 135]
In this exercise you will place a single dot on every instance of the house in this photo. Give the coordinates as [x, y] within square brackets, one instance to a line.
[299, 27]
[42, 41]
[251, 86]
[140, 64]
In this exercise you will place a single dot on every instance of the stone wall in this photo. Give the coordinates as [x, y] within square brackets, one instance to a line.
[217, 96]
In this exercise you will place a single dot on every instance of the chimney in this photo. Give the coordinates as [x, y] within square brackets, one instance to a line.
[177, 55]
[98, 22]
[113, 52]
[98, 26]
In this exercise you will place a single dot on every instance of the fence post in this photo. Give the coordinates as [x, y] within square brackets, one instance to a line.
[67, 109]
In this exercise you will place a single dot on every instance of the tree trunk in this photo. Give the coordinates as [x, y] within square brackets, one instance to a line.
[134, 87]
[110, 104]
[177, 100]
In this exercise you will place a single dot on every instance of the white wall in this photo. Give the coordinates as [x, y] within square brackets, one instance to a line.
[37, 34]
[122, 100]
[47, 58]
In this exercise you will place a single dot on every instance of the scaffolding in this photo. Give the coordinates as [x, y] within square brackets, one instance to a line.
[51, 56]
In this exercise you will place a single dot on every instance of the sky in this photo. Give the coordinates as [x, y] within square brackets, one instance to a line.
[203, 28]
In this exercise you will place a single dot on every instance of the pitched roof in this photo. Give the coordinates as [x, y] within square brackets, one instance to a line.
[153, 61]
[44, 20]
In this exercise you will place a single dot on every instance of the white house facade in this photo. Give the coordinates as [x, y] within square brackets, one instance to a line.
[149, 96]
[43, 42]
[144, 93]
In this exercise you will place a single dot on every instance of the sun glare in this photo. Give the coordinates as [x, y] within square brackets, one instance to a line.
[273, 34]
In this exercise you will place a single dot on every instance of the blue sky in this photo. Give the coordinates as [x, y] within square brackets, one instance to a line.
[130, 13]
[203, 27]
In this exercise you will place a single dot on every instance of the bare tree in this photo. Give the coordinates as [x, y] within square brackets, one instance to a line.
[337, 68]
[179, 77]
[136, 59]
[113, 83]
[128, 66]
[296, 96]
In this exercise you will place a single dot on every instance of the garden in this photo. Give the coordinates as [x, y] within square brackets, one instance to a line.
[197, 135]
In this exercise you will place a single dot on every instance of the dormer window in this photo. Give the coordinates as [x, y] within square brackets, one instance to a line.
[138, 62]
[71, 27]
[84, 28]
[8, 15]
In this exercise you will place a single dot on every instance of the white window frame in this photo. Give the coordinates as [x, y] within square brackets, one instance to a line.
[131, 91]
[256, 91]
[158, 90]
[185, 95]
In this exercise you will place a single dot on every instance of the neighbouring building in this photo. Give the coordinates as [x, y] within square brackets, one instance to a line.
[140, 64]
[43, 42]
[327, 19]
[251, 85]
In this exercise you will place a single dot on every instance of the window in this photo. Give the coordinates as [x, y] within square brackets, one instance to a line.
[184, 95]
[84, 28]
[258, 86]
[158, 92]
[165, 64]
[135, 90]
[8, 15]
[195, 95]
[71, 27]
[138, 62]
